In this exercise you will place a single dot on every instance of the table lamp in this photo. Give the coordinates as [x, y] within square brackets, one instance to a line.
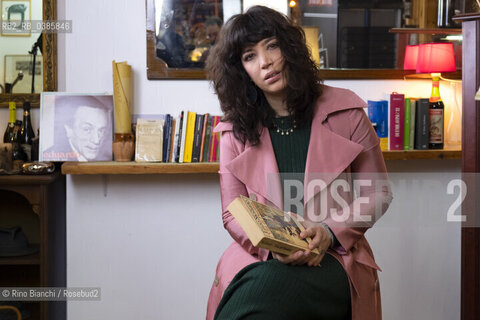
[433, 58]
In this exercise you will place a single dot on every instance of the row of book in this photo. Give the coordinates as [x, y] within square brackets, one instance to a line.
[183, 139]
[409, 122]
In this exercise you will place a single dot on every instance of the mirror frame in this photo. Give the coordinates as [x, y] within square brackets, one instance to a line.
[49, 54]
[157, 69]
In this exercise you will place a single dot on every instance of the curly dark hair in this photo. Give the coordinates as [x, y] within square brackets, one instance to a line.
[248, 111]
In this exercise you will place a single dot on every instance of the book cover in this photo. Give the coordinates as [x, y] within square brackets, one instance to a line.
[178, 138]
[204, 132]
[167, 132]
[406, 125]
[215, 137]
[378, 114]
[190, 131]
[149, 140]
[181, 142]
[76, 127]
[207, 140]
[268, 227]
[413, 107]
[397, 114]
[172, 139]
[422, 124]
[197, 137]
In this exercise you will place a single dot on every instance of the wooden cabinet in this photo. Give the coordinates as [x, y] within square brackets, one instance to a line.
[471, 166]
[37, 205]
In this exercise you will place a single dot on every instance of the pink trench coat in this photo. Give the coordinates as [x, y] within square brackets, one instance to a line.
[342, 143]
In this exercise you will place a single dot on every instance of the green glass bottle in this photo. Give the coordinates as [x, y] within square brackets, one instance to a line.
[12, 109]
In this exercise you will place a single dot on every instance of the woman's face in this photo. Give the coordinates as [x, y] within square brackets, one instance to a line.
[264, 62]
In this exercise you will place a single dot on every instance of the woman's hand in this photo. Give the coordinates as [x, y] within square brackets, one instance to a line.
[321, 240]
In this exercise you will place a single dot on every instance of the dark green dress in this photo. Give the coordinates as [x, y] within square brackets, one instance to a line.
[273, 290]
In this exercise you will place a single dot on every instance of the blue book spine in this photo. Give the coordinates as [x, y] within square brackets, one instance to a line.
[382, 119]
[167, 132]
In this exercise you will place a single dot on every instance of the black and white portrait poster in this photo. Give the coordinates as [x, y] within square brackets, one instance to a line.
[76, 127]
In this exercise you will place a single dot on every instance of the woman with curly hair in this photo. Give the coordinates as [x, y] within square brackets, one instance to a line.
[281, 123]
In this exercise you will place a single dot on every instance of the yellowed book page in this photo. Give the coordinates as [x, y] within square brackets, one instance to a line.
[240, 212]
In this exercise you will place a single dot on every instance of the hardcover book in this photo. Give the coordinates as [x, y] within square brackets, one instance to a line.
[268, 227]
[397, 115]
[378, 114]
[422, 124]
[413, 108]
[207, 140]
[178, 138]
[197, 137]
[190, 131]
[406, 125]
[167, 133]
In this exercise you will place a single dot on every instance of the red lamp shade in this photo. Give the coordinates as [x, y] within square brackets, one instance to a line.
[411, 57]
[436, 58]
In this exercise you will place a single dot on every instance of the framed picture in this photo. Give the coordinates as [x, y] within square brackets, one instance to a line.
[76, 127]
[16, 64]
[15, 18]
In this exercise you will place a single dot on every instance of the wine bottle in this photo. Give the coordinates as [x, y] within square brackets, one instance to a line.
[26, 132]
[18, 153]
[12, 109]
[436, 112]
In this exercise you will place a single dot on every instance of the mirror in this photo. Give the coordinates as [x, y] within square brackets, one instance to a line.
[349, 39]
[17, 59]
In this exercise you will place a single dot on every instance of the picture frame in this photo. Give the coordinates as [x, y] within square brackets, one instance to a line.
[17, 15]
[76, 127]
[16, 63]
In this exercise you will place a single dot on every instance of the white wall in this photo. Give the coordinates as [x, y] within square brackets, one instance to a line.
[152, 242]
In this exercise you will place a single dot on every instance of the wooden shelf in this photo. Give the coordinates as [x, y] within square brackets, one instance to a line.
[137, 168]
[21, 260]
[27, 179]
[422, 154]
[92, 168]
[427, 30]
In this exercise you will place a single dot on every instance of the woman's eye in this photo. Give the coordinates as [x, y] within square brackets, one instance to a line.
[273, 45]
[248, 57]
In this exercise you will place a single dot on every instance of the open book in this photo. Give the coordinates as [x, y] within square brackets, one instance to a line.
[269, 228]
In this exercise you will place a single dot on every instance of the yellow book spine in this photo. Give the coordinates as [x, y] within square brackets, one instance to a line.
[187, 156]
[384, 144]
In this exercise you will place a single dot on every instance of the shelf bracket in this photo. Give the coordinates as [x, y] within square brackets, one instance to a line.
[105, 184]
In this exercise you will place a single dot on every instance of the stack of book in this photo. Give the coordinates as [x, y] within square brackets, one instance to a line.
[408, 128]
[186, 138]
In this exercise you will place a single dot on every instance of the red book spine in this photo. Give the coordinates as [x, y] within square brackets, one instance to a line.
[215, 137]
[397, 116]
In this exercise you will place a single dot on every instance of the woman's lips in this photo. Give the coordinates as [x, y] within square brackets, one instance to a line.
[274, 77]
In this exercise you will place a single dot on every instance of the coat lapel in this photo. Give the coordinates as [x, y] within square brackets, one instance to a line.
[257, 168]
[329, 154]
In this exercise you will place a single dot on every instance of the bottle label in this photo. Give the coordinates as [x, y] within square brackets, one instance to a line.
[436, 126]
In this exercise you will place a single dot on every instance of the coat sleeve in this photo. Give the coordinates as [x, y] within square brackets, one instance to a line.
[231, 188]
[370, 174]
